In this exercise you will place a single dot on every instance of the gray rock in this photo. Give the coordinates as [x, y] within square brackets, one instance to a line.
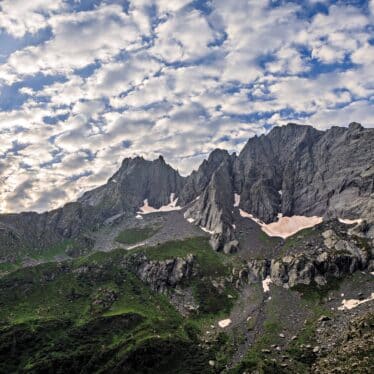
[312, 266]
[320, 173]
[161, 275]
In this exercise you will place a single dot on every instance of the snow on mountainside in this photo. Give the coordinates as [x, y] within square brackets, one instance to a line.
[296, 171]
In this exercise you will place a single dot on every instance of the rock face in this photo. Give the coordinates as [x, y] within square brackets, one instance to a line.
[319, 173]
[197, 182]
[136, 180]
[293, 170]
[125, 192]
[161, 275]
[339, 257]
[33, 230]
[213, 210]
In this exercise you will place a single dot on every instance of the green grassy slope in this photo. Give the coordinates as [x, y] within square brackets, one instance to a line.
[93, 315]
[135, 235]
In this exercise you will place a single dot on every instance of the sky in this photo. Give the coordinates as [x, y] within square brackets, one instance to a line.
[86, 83]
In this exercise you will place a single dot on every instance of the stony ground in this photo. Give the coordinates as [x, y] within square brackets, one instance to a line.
[171, 226]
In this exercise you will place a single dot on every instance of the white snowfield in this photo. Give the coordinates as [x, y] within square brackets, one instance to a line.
[206, 230]
[353, 303]
[350, 221]
[135, 246]
[236, 200]
[224, 323]
[146, 208]
[285, 226]
[266, 284]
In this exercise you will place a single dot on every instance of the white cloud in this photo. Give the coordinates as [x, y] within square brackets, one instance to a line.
[19, 17]
[360, 111]
[169, 79]
[116, 77]
[78, 40]
[183, 36]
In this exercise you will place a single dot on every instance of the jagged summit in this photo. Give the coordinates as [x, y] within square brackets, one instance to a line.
[136, 180]
[293, 170]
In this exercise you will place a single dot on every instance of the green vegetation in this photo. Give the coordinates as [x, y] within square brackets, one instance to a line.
[136, 235]
[92, 314]
[256, 358]
[210, 263]
[7, 267]
[64, 248]
[297, 239]
[314, 293]
[268, 240]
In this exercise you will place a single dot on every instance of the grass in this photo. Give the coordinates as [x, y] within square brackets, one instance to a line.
[296, 239]
[314, 293]
[64, 249]
[58, 315]
[210, 263]
[59, 249]
[8, 267]
[135, 235]
[268, 240]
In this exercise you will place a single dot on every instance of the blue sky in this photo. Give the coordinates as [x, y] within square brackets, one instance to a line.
[85, 83]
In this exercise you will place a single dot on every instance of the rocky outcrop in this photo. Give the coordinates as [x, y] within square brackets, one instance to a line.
[136, 180]
[161, 275]
[339, 258]
[213, 210]
[319, 173]
[197, 182]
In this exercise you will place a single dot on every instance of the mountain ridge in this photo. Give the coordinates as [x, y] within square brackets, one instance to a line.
[293, 170]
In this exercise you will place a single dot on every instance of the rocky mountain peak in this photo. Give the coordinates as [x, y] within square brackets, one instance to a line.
[136, 180]
[293, 170]
[355, 126]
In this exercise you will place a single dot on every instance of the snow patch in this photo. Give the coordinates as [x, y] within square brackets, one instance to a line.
[224, 323]
[135, 246]
[146, 208]
[350, 221]
[190, 220]
[266, 284]
[250, 216]
[285, 226]
[353, 303]
[236, 200]
[206, 230]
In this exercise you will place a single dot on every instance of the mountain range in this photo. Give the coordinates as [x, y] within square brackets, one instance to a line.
[184, 265]
[293, 170]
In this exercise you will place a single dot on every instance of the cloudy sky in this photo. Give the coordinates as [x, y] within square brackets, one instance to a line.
[85, 83]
